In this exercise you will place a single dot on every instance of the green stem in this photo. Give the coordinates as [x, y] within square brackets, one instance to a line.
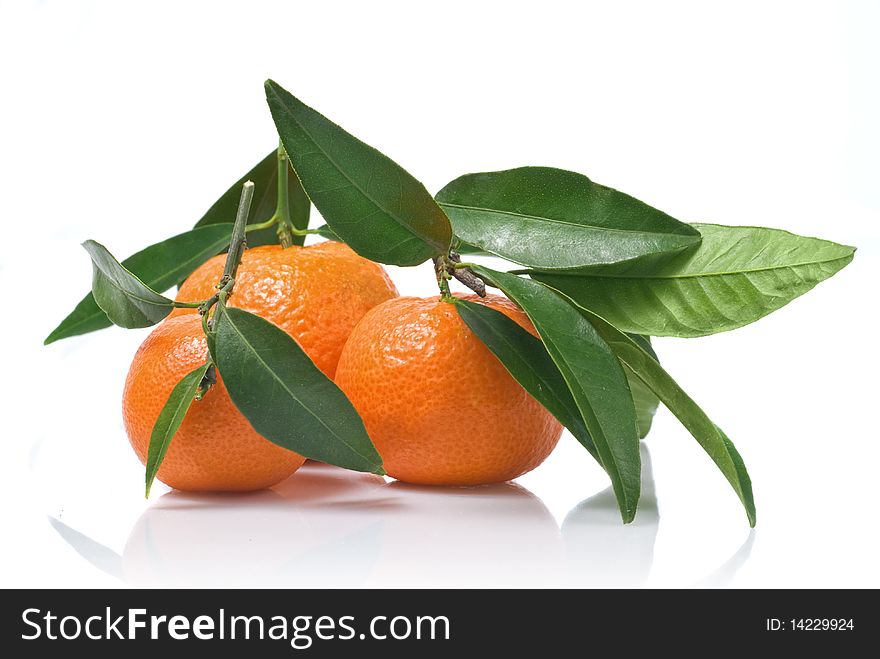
[450, 267]
[441, 269]
[206, 326]
[272, 221]
[233, 257]
[445, 293]
[187, 305]
[239, 240]
[262, 225]
[286, 230]
[220, 296]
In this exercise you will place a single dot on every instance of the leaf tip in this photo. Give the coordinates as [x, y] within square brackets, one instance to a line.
[271, 87]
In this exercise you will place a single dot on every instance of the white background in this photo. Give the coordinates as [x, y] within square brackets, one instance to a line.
[123, 122]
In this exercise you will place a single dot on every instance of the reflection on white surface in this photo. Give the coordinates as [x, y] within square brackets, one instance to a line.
[602, 552]
[724, 575]
[327, 527]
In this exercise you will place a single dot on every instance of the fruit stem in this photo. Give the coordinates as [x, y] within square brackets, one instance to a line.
[441, 270]
[233, 257]
[239, 236]
[207, 382]
[450, 267]
[453, 268]
[282, 207]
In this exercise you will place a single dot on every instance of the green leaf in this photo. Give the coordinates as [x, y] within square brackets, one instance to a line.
[554, 219]
[370, 201]
[735, 277]
[528, 361]
[594, 376]
[158, 266]
[464, 248]
[169, 421]
[126, 300]
[645, 366]
[264, 176]
[645, 400]
[284, 395]
[326, 232]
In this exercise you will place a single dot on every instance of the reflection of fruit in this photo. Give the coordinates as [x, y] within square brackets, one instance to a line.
[438, 405]
[260, 539]
[496, 536]
[317, 294]
[215, 449]
[351, 530]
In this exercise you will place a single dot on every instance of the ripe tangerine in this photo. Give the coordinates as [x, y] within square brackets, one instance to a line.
[438, 405]
[317, 294]
[215, 448]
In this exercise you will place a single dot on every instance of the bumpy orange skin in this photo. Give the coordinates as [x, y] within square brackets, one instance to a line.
[317, 294]
[438, 405]
[215, 449]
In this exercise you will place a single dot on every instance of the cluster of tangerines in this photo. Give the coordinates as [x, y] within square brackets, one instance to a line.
[398, 359]
[280, 352]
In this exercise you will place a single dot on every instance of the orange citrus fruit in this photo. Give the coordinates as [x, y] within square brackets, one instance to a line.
[438, 405]
[215, 448]
[317, 294]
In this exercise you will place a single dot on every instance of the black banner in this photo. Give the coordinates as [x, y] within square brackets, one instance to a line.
[437, 623]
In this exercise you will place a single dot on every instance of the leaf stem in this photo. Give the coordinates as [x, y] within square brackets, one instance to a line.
[450, 267]
[275, 219]
[233, 257]
[239, 239]
[286, 230]
[208, 381]
[221, 295]
[441, 270]
[262, 225]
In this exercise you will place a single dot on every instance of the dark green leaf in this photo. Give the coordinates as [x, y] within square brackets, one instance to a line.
[640, 362]
[326, 232]
[554, 219]
[645, 400]
[464, 248]
[735, 277]
[264, 176]
[169, 420]
[284, 395]
[371, 202]
[126, 300]
[594, 376]
[159, 266]
[528, 361]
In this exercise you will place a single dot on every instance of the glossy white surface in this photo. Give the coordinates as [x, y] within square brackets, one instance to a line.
[125, 124]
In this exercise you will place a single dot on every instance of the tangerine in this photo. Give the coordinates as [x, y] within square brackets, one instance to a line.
[438, 405]
[317, 294]
[215, 448]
